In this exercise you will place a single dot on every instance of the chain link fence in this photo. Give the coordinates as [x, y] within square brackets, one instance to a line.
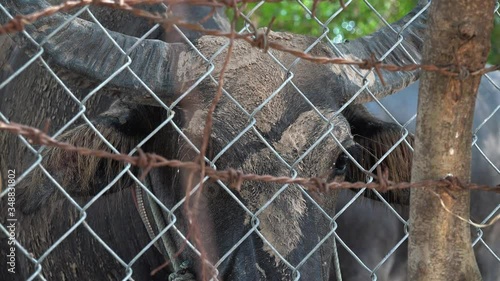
[368, 238]
[386, 231]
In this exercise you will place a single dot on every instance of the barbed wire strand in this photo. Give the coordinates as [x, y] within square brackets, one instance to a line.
[478, 225]
[147, 161]
[255, 39]
[235, 178]
[207, 131]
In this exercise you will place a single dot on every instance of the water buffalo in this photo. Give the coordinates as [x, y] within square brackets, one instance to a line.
[370, 230]
[81, 217]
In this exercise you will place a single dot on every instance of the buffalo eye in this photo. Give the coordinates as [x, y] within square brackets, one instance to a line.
[341, 165]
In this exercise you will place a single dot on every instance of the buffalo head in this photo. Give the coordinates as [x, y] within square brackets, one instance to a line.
[278, 115]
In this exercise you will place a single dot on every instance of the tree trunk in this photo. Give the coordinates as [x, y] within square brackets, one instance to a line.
[439, 243]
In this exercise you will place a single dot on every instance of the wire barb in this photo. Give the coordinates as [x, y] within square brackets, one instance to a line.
[259, 40]
[235, 178]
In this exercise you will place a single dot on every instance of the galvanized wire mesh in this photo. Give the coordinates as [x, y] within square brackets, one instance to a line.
[360, 258]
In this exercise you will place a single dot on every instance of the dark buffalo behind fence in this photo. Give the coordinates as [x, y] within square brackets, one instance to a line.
[269, 122]
[256, 128]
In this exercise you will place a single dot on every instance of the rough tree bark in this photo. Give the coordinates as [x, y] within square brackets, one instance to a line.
[439, 243]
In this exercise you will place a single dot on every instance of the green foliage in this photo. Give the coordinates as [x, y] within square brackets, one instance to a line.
[494, 57]
[356, 20]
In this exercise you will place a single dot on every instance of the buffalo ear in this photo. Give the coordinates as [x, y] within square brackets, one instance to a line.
[375, 138]
[83, 176]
